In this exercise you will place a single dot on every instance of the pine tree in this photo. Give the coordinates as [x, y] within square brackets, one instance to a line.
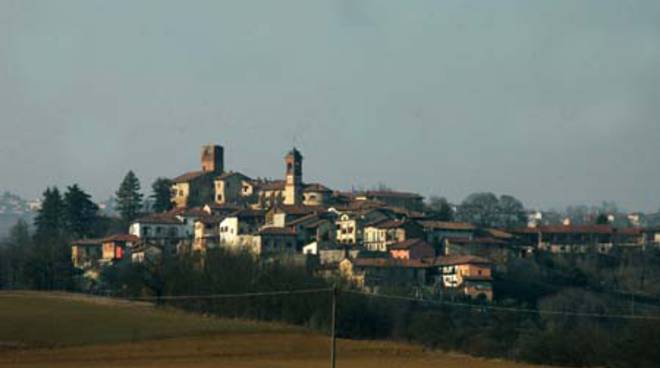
[80, 212]
[129, 198]
[162, 195]
[48, 264]
[49, 222]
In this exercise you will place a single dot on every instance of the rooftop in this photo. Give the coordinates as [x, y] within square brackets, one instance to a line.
[188, 176]
[389, 194]
[407, 244]
[390, 262]
[458, 260]
[447, 225]
[277, 231]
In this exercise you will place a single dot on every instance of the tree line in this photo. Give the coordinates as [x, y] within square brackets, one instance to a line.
[39, 257]
[571, 284]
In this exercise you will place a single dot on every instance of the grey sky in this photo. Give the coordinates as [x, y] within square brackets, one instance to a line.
[555, 102]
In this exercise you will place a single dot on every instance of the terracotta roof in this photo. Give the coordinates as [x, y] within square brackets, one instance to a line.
[232, 173]
[316, 187]
[188, 176]
[298, 209]
[364, 205]
[188, 212]
[390, 262]
[248, 212]
[277, 231]
[122, 238]
[389, 194]
[499, 233]
[159, 218]
[446, 225]
[407, 244]
[96, 241]
[482, 240]
[457, 260]
[386, 224]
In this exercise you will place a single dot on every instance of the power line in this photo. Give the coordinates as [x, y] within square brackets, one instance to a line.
[509, 309]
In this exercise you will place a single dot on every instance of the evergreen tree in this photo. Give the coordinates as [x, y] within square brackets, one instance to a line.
[48, 265]
[80, 212]
[49, 222]
[129, 198]
[13, 256]
[162, 195]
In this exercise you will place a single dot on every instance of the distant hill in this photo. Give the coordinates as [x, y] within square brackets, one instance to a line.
[13, 208]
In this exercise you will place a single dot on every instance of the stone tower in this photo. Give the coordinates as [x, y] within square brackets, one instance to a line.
[293, 189]
[213, 158]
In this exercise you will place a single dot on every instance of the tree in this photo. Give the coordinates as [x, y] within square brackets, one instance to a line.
[13, 255]
[80, 213]
[48, 264]
[479, 208]
[440, 209]
[162, 195]
[49, 221]
[129, 198]
[512, 212]
[486, 209]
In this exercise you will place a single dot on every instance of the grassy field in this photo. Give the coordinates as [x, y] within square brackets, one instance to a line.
[62, 330]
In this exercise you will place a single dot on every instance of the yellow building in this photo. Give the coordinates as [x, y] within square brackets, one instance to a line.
[196, 188]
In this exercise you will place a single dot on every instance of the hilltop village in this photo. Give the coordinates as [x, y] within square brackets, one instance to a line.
[369, 239]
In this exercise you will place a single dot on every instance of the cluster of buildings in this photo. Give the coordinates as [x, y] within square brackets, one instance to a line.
[371, 239]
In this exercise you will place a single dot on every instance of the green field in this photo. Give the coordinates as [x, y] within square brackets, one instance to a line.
[65, 330]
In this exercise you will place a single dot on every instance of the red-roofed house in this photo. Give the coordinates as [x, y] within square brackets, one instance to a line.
[471, 276]
[371, 274]
[412, 249]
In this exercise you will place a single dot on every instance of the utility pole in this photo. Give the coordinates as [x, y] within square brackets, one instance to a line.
[333, 337]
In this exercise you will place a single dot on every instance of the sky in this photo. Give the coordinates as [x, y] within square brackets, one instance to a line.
[554, 102]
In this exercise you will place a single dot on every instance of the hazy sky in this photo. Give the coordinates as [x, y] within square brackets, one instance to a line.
[555, 102]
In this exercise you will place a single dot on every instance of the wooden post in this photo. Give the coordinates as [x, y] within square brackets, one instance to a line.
[333, 337]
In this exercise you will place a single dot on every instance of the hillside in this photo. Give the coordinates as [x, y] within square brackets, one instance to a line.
[64, 330]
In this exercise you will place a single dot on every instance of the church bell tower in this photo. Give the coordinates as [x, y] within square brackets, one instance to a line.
[294, 187]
